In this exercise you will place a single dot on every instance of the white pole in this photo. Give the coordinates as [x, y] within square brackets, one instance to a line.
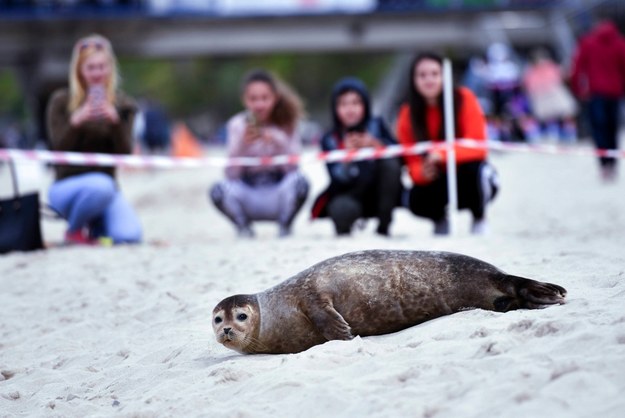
[450, 139]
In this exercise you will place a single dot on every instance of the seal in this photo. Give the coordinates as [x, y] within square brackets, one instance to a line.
[370, 293]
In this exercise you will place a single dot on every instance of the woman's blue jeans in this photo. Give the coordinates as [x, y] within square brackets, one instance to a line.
[93, 201]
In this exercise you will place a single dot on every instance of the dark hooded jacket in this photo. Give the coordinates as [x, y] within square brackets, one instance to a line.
[356, 177]
[599, 63]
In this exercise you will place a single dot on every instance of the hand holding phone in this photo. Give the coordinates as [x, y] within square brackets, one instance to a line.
[358, 128]
[252, 128]
[250, 118]
[96, 97]
[355, 136]
[432, 165]
[100, 107]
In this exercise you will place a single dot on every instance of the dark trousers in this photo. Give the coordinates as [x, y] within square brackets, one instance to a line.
[429, 201]
[603, 115]
[374, 198]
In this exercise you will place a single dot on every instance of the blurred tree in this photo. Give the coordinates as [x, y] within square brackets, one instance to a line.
[206, 90]
[12, 103]
[211, 86]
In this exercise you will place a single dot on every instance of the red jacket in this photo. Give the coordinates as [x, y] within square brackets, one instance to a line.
[472, 124]
[599, 63]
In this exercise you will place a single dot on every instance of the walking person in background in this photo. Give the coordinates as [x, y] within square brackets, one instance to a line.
[422, 119]
[598, 75]
[550, 100]
[476, 79]
[156, 132]
[509, 116]
[360, 189]
[266, 128]
[92, 116]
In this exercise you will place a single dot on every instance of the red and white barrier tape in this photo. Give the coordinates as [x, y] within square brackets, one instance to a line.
[92, 159]
[542, 148]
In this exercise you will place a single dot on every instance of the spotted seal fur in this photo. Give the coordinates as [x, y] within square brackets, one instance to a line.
[370, 293]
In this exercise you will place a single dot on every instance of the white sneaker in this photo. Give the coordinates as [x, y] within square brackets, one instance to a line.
[479, 227]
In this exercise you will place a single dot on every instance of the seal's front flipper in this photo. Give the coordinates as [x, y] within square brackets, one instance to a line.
[329, 322]
[534, 295]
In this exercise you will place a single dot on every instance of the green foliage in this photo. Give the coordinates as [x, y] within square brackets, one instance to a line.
[208, 89]
[11, 99]
[212, 85]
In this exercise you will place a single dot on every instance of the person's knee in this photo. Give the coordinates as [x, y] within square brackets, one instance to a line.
[415, 204]
[100, 187]
[125, 231]
[389, 186]
[344, 204]
[489, 182]
[58, 200]
[423, 205]
[302, 187]
[216, 194]
[97, 189]
[344, 211]
[390, 167]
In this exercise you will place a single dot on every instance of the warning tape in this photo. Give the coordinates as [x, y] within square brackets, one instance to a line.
[143, 161]
[542, 148]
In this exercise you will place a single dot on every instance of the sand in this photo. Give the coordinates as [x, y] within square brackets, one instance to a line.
[125, 331]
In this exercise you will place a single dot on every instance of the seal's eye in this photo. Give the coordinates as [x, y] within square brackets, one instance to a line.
[218, 319]
[242, 317]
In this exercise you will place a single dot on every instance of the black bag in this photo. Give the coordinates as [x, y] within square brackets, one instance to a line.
[20, 229]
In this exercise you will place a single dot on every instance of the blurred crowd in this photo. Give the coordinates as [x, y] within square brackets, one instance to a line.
[503, 98]
[536, 98]
[524, 99]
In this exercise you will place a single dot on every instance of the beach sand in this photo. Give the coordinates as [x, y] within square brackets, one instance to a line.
[125, 331]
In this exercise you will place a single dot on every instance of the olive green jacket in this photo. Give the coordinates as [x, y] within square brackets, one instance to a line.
[92, 136]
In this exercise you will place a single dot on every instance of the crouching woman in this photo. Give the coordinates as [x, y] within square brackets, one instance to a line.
[266, 128]
[422, 119]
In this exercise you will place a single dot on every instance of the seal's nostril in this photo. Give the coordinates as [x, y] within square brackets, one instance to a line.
[227, 330]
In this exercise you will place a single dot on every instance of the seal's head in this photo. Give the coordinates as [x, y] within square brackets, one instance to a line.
[236, 322]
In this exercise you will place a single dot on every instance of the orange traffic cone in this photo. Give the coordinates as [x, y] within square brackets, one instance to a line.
[184, 143]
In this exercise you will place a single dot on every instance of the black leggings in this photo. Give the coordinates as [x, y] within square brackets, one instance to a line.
[429, 201]
[603, 115]
[374, 198]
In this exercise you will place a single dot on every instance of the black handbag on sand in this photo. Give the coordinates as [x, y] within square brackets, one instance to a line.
[20, 228]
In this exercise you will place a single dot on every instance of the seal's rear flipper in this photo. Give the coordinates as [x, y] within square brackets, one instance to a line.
[534, 295]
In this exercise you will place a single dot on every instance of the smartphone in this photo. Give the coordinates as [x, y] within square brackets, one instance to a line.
[250, 118]
[97, 97]
[96, 94]
[358, 128]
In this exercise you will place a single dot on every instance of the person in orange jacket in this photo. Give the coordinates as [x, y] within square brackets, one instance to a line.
[421, 118]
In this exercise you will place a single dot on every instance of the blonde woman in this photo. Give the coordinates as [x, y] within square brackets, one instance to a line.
[92, 116]
[267, 127]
